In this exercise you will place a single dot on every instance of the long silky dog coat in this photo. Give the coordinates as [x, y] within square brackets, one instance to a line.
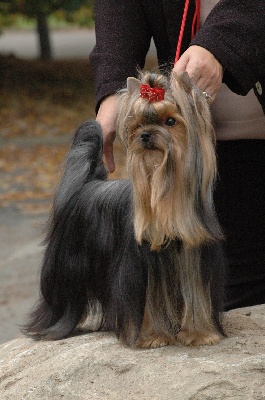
[143, 253]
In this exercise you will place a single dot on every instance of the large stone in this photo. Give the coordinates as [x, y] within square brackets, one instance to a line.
[95, 366]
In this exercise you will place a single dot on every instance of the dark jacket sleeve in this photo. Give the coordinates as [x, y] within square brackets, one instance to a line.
[234, 33]
[122, 41]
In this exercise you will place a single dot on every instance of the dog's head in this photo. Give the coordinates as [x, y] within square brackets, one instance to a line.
[165, 125]
[152, 120]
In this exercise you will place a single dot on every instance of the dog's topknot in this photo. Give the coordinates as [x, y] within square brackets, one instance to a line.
[154, 80]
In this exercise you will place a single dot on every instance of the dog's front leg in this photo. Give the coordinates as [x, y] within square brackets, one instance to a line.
[198, 320]
[197, 328]
[151, 336]
[194, 338]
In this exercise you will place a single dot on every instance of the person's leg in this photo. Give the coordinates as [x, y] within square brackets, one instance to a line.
[240, 205]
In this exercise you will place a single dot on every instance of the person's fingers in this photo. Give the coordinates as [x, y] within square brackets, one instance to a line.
[208, 77]
[209, 98]
[203, 68]
[109, 156]
[181, 64]
[195, 70]
[210, 80]
[209, 89]
[106, 117]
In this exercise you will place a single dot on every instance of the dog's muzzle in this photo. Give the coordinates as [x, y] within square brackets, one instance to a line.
[146, 138]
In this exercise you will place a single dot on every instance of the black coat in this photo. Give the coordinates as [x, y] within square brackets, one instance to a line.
[233, 32]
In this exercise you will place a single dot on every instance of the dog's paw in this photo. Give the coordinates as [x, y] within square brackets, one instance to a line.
[193, 338]
[154, 341]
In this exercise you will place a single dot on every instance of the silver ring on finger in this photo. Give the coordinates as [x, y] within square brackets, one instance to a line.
[208, 97]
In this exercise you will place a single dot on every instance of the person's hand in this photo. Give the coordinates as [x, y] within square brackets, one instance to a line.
[106, 118]
[203, 68]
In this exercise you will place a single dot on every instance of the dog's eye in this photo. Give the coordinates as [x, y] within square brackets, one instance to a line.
[170, 121]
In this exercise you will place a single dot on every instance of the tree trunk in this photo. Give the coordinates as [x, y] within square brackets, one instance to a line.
[44, 37]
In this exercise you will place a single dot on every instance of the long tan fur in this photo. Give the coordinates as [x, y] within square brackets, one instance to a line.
[172, 188]
[172, 182]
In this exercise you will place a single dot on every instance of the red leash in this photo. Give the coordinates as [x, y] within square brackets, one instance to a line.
[196, 19]
[195, 24]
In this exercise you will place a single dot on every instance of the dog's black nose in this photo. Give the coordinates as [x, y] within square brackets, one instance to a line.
[146, 136]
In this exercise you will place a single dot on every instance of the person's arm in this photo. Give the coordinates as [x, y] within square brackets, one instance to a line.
[232, 38]
[234, 34]
[106, 117]
[122, 41]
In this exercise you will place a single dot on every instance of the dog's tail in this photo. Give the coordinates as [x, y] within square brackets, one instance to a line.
[63, 300]
[84, 162]
[64, 294]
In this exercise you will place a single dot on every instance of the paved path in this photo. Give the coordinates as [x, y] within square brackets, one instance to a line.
[66, 43]
[72, 43]
[20, 258]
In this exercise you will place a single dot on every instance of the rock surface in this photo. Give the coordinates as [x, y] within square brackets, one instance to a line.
[95, 366]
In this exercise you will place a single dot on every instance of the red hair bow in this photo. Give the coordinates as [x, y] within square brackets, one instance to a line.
[152, 94]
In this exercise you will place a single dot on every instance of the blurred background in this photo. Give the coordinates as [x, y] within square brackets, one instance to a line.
[46, 92]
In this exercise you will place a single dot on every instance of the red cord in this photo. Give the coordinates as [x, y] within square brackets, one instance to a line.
[181, 33]
[195, 21]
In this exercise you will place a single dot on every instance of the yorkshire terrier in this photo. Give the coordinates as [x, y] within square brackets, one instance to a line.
[144, 253]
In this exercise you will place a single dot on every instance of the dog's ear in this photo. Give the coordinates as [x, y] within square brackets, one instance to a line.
[133, 84]
[181, 81]
[189, 97]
